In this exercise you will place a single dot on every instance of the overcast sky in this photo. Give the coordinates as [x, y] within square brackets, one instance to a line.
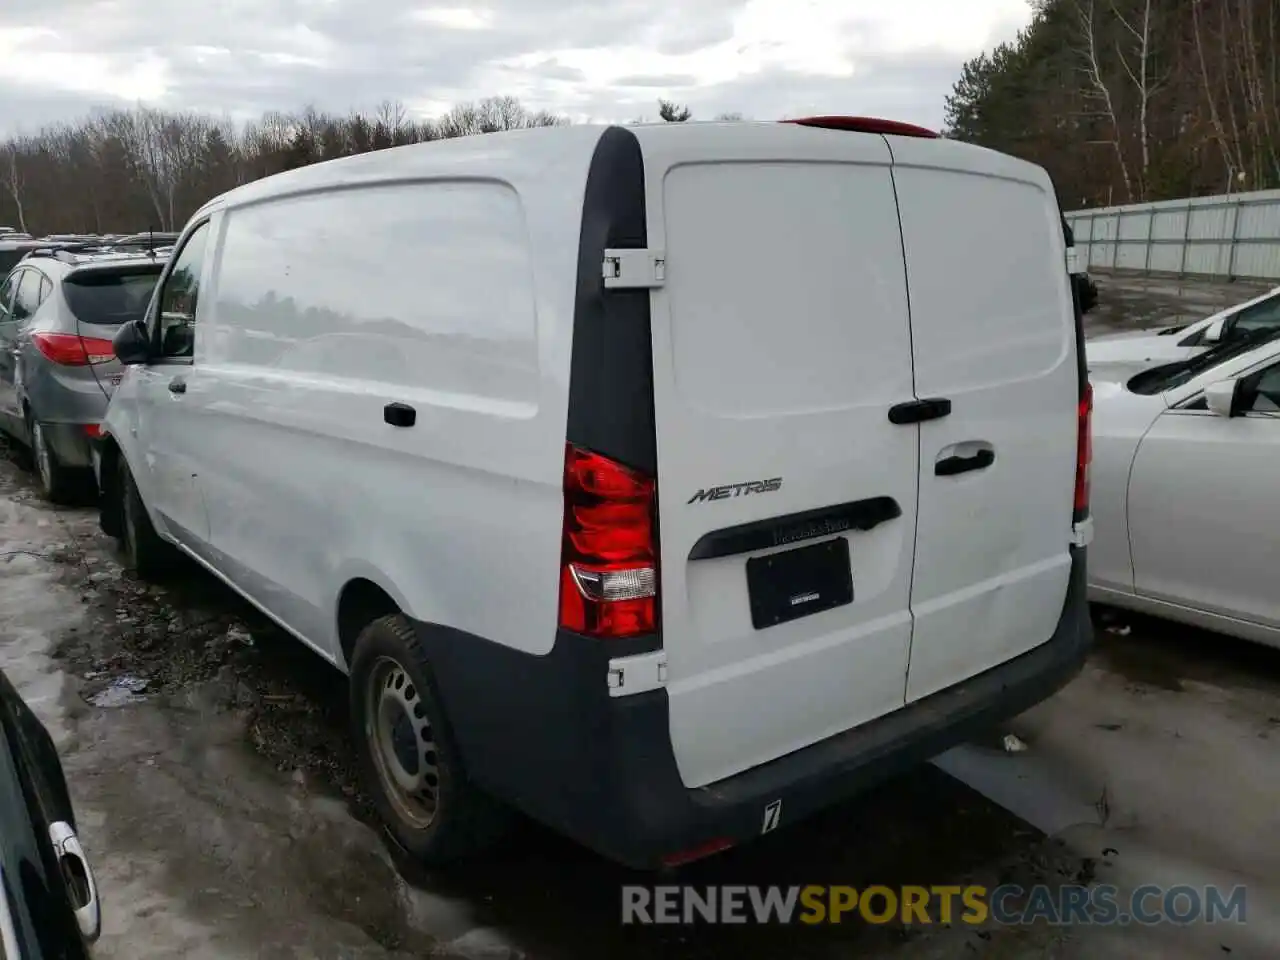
[590, 59]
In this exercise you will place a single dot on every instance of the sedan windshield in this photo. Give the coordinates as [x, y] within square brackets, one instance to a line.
[1171, 375]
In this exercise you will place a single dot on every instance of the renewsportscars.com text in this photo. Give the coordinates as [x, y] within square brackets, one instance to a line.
[1010, 904]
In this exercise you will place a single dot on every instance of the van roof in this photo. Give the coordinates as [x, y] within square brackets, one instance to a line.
[511, 154]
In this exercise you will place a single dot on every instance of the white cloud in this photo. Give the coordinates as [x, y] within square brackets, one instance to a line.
[455, 18]
[603, 59]
[31, 57]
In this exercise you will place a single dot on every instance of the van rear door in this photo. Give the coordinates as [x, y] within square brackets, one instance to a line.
[993, 332]
[787, 499]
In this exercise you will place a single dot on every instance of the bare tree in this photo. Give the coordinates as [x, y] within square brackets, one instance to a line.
[11, 171]
[394, 117]
[1230, 148]
[127, 169]
[1098, 90]
[1142, 75]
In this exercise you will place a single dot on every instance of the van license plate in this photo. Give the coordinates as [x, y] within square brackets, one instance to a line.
[795, 583]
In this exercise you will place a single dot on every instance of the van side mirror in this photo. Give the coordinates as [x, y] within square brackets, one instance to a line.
[132, 343]
[1223, 398]
[1213, 332]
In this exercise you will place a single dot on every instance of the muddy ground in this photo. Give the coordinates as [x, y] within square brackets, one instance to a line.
[208, 761]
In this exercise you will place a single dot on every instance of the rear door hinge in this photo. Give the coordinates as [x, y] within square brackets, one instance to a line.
[1073, 261]
[1082, 532]
[638, 674]
[634, 268]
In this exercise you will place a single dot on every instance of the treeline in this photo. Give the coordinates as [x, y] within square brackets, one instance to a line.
[130, 170]
[1133, 100]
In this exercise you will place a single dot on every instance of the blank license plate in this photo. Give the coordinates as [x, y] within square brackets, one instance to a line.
[796, 583]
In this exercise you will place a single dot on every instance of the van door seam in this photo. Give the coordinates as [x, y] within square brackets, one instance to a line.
[911, 345]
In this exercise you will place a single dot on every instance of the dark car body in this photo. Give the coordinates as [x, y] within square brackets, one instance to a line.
[48, 897]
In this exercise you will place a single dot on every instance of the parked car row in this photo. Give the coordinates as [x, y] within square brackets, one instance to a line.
[17, 246]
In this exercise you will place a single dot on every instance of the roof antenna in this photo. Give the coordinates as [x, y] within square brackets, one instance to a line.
[151, 240]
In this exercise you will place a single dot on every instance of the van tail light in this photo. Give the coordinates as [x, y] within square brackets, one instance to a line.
[609, 557]
[69, 350]
[1084, 450]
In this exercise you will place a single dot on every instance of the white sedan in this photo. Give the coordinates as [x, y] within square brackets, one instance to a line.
[1139, 349]
[1186, 489]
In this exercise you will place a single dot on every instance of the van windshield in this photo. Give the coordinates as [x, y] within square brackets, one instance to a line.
[109, 297]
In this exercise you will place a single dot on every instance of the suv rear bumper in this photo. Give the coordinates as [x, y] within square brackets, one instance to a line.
[543, 734]
[71, 443]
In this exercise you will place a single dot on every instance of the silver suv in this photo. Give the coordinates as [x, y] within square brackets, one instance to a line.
[58, 312]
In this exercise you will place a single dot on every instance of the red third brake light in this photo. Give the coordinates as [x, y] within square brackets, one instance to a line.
[1084, 449]
[609, 564]
[893, 128]
[68, 350]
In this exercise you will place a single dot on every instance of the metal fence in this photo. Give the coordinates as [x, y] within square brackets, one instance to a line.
[1236, 235]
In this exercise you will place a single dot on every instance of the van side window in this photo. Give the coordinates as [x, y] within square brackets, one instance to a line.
[27, 299]
[418, 308]
[176, 316]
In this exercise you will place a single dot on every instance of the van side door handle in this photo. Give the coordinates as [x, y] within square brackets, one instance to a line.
[399, 415]
[918, 411]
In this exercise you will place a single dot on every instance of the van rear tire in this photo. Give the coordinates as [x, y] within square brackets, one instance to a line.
[145, 553]
[407, 758]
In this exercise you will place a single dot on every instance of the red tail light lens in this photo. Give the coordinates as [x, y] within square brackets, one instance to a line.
[68, 350]
[609, 563]
[1084, 449]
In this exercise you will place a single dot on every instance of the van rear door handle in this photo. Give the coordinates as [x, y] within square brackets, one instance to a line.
[177, 385]
[918, 411]
[952, 466]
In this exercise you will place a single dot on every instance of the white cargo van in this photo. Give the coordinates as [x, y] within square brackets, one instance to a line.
[667, 483]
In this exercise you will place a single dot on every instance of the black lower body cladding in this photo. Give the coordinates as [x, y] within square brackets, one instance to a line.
[542, 733]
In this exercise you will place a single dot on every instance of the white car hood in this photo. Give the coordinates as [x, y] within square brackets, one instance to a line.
[1116, 371]
[1137, 346]
[1126, 336]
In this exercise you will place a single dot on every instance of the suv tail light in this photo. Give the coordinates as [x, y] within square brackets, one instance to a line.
[1084, 450]
[609, 557]
[68, 350]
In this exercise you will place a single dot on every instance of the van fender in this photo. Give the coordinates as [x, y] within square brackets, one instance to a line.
[358, 568]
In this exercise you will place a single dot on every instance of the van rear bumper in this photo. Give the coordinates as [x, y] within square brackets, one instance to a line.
[543, 734]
